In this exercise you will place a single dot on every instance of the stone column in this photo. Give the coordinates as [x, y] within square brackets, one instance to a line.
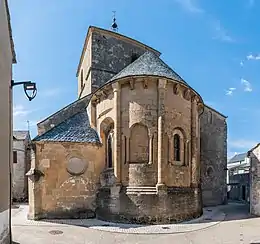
[127, 149]
[195, 142]
[33, 191]
[150, 149]
[161, 114]
[117, 133]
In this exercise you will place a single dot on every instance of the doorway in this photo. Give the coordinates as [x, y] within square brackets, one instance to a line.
[243, 193]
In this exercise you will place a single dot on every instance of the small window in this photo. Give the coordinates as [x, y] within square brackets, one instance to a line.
[110, 150]
[210, 117]
[15, 157]
[176, 143]
[81, 79]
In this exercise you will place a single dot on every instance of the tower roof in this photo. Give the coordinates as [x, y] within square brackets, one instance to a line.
[148, 64]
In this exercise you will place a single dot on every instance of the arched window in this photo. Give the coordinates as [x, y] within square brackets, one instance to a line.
[110, 149]
[177, 148]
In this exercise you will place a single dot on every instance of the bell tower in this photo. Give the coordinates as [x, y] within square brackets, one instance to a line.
[104, 54]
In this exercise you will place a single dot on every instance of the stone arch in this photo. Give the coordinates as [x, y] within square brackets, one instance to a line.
[107, 138]
[139, 143]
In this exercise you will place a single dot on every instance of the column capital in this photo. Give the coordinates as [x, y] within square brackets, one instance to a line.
[195, 99]
[116, 87]
[200, 108]
[162, 84]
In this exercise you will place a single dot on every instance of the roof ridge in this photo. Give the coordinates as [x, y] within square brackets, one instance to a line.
[71, 130]
[143, 66]
[38, 136]
[68, 111]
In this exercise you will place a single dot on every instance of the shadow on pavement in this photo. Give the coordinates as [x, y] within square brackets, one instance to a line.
[233, 212]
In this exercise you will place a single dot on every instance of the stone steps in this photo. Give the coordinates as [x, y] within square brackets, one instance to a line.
[141, 190]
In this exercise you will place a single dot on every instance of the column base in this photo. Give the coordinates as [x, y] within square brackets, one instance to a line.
[161, 189]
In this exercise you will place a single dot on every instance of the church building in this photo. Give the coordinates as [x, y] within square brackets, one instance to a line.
[139, 145]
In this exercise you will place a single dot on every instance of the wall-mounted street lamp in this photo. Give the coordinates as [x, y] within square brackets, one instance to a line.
[30, 91]
[29, 87]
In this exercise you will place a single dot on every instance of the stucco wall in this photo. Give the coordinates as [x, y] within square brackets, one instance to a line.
[213, 152]
[5, 130]
[62, 194]
[20, 182]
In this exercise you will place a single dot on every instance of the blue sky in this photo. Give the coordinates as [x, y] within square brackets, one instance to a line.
[213, 45]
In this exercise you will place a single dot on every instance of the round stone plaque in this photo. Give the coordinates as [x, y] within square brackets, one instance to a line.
[76, 166]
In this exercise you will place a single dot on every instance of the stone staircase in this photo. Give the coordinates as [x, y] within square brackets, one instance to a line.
[146, 190]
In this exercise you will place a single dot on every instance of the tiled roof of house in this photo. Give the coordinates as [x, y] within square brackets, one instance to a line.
[240, 166]
[63, 114]
[238, 158]
[148, 64]
[74, 129]
[20, 134]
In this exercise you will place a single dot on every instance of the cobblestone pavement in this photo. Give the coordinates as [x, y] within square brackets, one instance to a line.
[237, 228]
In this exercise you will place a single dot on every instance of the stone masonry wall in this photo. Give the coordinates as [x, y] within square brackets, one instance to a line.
[109, 56]
[255, 181]
[107, 53]
[139, 114]
[176, 205]
[131, 194]
[213, 156]
[71, 176]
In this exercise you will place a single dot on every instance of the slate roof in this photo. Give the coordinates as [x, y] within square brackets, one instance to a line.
[148, 64]
[20, 134]
[74, 129]
[240, 166]
[238, 158]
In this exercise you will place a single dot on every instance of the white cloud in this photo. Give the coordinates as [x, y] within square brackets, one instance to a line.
[221, 34]
[190, 6]
[247, 85]
[19, 110]
[230, 91]
[241, 63]
[242, 144]
[50, 93]
[253, 57]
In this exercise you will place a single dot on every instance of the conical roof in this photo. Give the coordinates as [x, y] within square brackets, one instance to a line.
[148, 64]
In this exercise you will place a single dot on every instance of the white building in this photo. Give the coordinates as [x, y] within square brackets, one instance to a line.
[21, 164]
[238, 177]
